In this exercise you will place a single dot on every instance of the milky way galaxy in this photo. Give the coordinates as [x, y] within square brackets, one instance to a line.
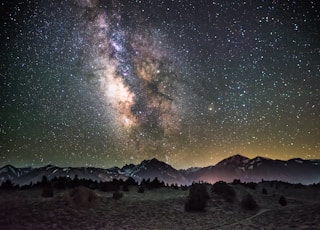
[105, 83]
[135, 76]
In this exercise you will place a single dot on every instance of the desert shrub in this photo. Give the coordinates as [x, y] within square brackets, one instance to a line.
[117, 195]
[197, 199]
[264, 191]
[249, 203]
[47, 190]
[282, 201]
[224, 190]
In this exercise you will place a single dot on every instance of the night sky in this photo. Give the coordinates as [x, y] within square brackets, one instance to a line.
[105, 83]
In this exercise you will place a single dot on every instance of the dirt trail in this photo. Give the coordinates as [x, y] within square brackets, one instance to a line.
[246, 219]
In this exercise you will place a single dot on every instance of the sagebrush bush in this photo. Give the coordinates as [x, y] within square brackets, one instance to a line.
[249, 203]
[117, 195]
[282, 201]
[224, 190]
[197, 199]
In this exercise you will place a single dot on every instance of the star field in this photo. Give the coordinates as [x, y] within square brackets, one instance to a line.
[104, 83]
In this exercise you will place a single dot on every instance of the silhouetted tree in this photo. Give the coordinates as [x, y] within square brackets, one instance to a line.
[75, 182]
[44, 181]
[115, 184]
[197, 199]
[184, 188]
[62, 183]
[174, 186]
[249, 203]
[156, 183]
[26, 187]
[7, 184]
[130, 181]
[236, 182]
[146, 183]
[224, 190]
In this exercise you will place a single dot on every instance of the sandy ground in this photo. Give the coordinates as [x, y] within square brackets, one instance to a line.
[157, 209]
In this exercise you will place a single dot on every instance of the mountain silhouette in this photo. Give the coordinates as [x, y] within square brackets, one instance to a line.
[235, 167]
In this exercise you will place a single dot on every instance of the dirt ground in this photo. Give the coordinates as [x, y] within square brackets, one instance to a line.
[158, 209]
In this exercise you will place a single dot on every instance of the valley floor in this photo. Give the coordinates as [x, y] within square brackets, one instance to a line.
[156, 209]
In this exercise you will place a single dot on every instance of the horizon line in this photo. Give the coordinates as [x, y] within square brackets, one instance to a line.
[81, 166]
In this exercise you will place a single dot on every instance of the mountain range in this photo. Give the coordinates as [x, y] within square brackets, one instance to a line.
[236, 167]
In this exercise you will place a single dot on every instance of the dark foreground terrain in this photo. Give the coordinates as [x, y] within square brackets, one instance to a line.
[161, 208]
